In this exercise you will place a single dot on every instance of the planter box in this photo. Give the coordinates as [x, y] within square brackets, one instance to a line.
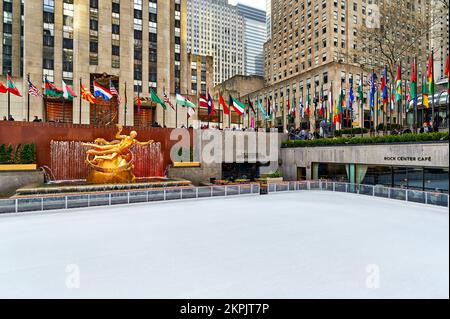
[274, 180]
[186, 164]
[18, 167]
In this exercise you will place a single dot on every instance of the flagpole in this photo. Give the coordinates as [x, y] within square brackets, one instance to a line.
[187, 115]
[415, 98]
[432, 93]
[125, 107]
[64, 109]
[28, 102]
[80, 103]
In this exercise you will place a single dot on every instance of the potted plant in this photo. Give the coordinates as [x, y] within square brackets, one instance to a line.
[19, 158]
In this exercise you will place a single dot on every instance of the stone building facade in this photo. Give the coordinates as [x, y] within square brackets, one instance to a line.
[139, 45]
[308, 55]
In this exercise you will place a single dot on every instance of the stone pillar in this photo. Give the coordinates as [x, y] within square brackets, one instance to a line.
[81, 60]
[166, 52]
[126, 60]
[1, 41]
[33, 46]
[145, 47]
[105, 35]
[15, 70]
[57, 50]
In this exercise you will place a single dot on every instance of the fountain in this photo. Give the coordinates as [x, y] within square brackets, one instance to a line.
[122, 164]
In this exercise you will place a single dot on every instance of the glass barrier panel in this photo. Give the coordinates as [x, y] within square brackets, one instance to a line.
[189, 193]
[7, 206]
[271, 188]
[138, 197]
[282, 187]
[399, 194]
[119, 198]
[292, 186]
[352, 188]
[98, 200]
[438, 199]
[218, 190]
[366, 190]
[29, 204]
[256, 188]
[416, 196]
[314, 185]
[381, 191]
[77, 201]
[204, 192]
[51, 203]
[340, 187]
[232, 190]
[329, 186]
[246, 189]
[173, 194]
[155, 195]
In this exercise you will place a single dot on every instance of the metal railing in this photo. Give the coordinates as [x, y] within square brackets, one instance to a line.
[409, 195]
[47, 203]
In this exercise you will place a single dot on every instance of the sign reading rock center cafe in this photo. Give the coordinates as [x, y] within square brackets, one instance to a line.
[419, 159]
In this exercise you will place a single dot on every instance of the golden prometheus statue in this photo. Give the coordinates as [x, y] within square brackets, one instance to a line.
[112, 162]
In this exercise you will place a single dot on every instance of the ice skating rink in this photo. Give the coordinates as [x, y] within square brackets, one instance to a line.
[291, 245]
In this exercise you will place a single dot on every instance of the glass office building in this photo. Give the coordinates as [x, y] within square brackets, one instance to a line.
[255, 35]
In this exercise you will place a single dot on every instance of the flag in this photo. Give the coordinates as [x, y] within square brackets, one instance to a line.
[3, 89]
[181, 100]
[398, 85]
[87, 95]
[238, 106]
[263, 112]
[373, 79]
[166, 100]
[291, 110]
[114, 92]
[301, 107]
[52, 90]
[155, 98]
[392, 101]
[360, 90]
[269, 107]
[341, 101]
[32, 90]
[351, 96]
[308, 105]
[425, 101]
[101, 91]
[202, 101]
[384, 88]
[191, 109]
[431, 76]
[12, 86]
[68, 94]
[226, 109]
[211, 110]
[447, 73]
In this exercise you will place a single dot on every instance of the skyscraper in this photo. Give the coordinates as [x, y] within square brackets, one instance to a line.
[269, 19]
[93, 40]
[215, 28]
[254, 38]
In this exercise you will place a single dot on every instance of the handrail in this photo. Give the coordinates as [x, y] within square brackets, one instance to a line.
[408, 195]
[85, 200]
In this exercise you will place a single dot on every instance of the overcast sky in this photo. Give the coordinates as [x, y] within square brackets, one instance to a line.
[260, 4]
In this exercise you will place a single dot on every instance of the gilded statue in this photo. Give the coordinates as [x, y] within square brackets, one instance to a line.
[112, 162]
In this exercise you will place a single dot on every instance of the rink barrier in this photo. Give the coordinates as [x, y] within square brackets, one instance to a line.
[48, 203]
[408, 195]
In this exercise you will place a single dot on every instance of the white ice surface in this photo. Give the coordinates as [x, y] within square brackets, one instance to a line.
[292, 245]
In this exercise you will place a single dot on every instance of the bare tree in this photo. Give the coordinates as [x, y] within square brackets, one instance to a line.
[402, 34]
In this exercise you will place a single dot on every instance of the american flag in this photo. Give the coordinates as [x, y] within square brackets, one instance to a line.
[166, 100]
[114, 92]
[32, 90]
[369, 83]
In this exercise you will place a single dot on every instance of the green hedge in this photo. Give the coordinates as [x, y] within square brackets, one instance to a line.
[19, 154]
[404, 138]
[348, 131]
